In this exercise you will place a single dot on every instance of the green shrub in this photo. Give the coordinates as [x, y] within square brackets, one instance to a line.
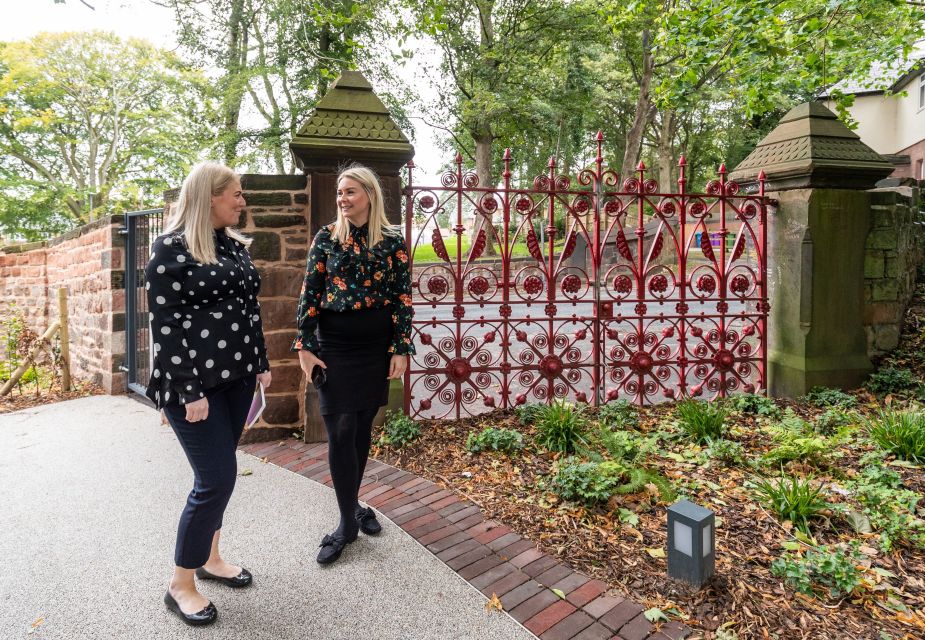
[619, 414]
[791, 498]
[528, 413]
[831, 420]
[891, 380]
[890, 510]
[728, 452]
[900, 433]
[589, 483]
[702, 421]
[399, 430]
[830, 569]
[595, 482]
[755, 404]
[561, 427]
[492, 439]
[625, 445]
[824, 397]
[796, 440]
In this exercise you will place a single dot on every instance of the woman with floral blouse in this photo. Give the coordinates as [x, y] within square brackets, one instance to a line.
[354, 335]
[209, 354]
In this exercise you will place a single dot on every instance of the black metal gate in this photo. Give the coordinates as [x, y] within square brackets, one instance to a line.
[141, 228]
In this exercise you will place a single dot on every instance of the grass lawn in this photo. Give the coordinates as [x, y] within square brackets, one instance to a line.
[425, 251]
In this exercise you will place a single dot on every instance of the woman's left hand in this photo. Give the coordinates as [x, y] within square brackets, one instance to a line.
[265, 378]
[397, 367]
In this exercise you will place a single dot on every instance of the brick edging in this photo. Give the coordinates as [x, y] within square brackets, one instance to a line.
[488, 555]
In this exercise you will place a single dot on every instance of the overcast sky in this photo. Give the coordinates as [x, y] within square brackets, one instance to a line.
[143, 19]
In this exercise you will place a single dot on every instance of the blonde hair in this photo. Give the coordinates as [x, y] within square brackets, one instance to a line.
[191, 216]
[378, 224]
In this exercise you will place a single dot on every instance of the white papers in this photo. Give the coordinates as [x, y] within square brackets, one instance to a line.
[258, 404]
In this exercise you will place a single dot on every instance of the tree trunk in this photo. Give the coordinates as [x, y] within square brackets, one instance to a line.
[233, 81]
[643, 110]
[483, 143]
[666, 160]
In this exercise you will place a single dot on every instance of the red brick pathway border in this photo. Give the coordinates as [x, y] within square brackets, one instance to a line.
[490, 556]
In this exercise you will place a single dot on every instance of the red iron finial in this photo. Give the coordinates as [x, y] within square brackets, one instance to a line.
[552, 162]
[682, 162]
[411, 164]
[761, 176]
[641, 166]
[458, 158]
[507, 153]
[722, 168]
[600, 136]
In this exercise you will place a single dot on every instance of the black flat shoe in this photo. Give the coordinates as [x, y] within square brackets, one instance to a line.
[332, 546]
[243, 579]
[366, 518]
[201, 618]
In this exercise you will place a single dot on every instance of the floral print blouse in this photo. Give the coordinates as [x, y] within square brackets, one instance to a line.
[205, 319]
[353, 276]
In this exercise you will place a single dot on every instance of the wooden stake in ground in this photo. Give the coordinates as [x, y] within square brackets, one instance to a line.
[27, 362]
[65, 351]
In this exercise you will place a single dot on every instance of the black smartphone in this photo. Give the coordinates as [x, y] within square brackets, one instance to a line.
[319, 377]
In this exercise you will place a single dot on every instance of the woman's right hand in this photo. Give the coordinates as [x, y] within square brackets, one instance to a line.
[308, 360]
[197, 411]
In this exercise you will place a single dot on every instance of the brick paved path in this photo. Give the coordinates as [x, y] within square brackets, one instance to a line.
[490, 556]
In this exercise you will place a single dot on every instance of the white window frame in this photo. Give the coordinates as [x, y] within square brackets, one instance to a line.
[922, 92]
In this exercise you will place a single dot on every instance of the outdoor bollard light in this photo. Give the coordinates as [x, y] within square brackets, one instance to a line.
[691, 549]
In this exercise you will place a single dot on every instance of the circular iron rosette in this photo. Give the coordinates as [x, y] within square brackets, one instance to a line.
[452, 384]
[574, 283]
[580, 206]
[661, 283]
[620, 282]
[435, 283]
[719, 367]
[522, 202]
[705, 282]
[667, 208]
[427, 203]
[748, 209]
[612, 207]
[488, 205]
[742, 282]
[530, 283]
[543, 372]
[470, 180]
[643, 366]
[697, 209]
[481, 283]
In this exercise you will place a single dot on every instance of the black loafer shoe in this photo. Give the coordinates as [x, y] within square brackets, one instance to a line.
[332, 546]
[366, 518]
[243, 579]
[201, 618]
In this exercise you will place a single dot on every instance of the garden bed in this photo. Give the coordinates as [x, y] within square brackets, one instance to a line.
[860, 562]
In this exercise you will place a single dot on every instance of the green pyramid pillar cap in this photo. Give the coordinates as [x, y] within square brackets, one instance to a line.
[350, 123]
[811, 148]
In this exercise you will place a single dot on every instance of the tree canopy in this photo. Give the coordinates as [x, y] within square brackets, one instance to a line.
[91, 123]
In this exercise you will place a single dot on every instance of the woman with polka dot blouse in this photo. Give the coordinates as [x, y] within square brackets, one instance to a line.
[354, 324]
[209, 355]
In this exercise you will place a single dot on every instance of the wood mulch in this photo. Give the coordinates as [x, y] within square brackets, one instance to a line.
[17, 400]
[744, 597]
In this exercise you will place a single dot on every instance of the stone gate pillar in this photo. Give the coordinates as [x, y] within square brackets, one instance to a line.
[818, 170]
[349, 124]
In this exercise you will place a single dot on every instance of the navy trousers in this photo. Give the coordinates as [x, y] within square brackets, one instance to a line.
[210, 448]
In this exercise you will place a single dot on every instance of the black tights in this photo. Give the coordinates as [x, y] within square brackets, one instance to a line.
[349, 437]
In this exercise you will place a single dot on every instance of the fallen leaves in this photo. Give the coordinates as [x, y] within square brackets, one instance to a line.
[494, 603]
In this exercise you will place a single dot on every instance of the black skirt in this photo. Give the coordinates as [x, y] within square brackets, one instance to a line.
[355, 348]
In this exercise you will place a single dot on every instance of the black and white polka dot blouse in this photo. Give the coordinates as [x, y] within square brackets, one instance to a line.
[205, 319]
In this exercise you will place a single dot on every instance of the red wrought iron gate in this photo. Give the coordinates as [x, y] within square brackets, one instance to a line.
[600, 290]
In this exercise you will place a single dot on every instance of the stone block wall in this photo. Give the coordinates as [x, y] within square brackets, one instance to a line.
[893, 253]
[89, 263]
